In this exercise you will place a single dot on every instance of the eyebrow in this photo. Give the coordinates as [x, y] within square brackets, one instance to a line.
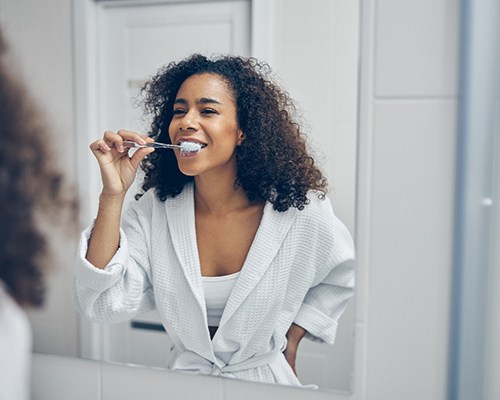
[203, 100]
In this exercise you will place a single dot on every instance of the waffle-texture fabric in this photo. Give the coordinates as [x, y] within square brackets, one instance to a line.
[299, 269]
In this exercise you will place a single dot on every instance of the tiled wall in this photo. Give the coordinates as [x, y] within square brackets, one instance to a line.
[408, 138]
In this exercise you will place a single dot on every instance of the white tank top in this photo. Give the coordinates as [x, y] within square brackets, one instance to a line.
[217, 290]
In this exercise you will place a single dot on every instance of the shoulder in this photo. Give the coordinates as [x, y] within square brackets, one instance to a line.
[321, 233]
[318, 222]
[318, 210]
[315, 222]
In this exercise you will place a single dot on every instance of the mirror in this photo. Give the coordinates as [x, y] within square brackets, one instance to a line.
[316, 64]
[314, 53]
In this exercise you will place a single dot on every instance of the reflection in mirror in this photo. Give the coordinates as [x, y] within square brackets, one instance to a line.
[316, 64]
[325, 91]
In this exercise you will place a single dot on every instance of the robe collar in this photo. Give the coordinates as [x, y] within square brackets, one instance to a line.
[269, 237]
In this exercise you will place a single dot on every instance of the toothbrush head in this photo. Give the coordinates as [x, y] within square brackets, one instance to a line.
[190, 147]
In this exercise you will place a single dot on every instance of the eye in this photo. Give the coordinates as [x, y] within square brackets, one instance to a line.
[208, 111]
[179, 111]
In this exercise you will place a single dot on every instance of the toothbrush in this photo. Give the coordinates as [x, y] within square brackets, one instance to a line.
[184, 147]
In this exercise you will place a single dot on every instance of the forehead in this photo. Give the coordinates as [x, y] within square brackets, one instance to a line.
[205, 85]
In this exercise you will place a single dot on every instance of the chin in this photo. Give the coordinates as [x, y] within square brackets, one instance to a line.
[189, 171]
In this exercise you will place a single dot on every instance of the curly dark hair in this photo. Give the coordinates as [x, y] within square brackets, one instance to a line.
[273, 162]
[32, 189]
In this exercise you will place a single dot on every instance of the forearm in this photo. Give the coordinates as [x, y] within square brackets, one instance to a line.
[105, 238]
[294, 335]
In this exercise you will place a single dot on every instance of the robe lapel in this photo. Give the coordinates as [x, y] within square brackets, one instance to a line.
[268, 240]
[181, 222]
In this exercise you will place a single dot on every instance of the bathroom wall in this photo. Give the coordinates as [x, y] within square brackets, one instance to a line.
[407, 159]
[314, 50]
[405, 198]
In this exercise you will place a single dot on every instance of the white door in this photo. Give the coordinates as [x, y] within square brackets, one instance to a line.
[133, 42]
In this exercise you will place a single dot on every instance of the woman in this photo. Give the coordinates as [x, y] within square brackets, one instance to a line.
[236, 245]
[31, 192]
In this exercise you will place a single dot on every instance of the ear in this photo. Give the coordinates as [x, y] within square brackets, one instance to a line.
[241, 136]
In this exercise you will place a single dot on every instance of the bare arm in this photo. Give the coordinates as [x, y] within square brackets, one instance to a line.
[105, 238]
[117, 172]
[294, 336]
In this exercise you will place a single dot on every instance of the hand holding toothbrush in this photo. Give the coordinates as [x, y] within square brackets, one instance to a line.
[118, 170]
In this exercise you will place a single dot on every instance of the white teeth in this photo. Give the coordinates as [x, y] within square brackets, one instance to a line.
[190, 147]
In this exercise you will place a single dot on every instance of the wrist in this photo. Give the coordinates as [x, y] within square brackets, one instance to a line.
[296, 331]
[110, 204]
[112, 199]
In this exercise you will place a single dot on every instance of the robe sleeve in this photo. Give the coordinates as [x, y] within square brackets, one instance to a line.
[123, 288]
[326, 301]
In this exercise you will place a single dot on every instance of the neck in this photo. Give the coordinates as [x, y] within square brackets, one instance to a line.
[219, 196]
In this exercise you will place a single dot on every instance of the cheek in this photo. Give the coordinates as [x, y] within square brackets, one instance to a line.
[171, 130]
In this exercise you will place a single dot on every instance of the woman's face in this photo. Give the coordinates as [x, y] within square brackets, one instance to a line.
[205, 112]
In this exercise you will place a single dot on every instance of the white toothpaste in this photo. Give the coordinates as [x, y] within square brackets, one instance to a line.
[190, 147]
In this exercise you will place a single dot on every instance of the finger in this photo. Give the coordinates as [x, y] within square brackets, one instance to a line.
[114, 140]
[139, 155]
[99, 146]
[130, 135]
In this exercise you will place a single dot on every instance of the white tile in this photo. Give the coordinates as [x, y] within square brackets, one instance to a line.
[411, 249]
[64, 378]
[416, 49]
[358, 382]
[126, 382]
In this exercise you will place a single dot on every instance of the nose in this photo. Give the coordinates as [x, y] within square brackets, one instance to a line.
[188, 122]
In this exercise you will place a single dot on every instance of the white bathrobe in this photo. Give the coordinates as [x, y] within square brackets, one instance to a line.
[299, 269]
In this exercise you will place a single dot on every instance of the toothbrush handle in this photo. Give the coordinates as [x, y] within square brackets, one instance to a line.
[130, 144]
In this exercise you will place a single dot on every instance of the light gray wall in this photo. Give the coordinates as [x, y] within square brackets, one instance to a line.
[314, 50]
[406, 199]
